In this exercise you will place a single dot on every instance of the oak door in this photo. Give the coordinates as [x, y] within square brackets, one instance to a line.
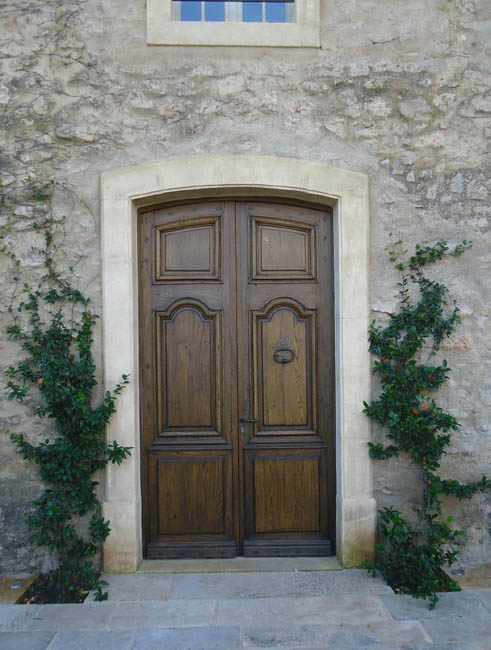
[236, 380]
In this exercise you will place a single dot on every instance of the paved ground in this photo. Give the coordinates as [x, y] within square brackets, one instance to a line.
[230, 611]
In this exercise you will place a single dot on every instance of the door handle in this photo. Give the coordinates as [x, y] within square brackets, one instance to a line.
[250, 420]
[283, 355]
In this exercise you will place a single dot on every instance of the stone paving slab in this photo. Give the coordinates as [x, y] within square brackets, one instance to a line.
[134, 586]
[370, 646]
[257, 611]
[458, 629]
[340, 610]
[483, 595]
[204, 638]
[353, 581]
[233, 585]
[72, 617]
[397, 634]
[403, 636]
[455, 646]
[292, 636]
[275, 585]
[402, 607]
[17, 617]
[175, 613]
[26, 640]
[92, 640]
[467, 645]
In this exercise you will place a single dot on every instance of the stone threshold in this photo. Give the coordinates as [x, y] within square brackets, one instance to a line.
[241, 565]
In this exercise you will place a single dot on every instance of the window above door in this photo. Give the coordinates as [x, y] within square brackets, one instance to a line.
[275, 23]
[234, 11]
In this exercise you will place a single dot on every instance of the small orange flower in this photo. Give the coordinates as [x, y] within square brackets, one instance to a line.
[426, 407]
[40, 381]
[415, 411]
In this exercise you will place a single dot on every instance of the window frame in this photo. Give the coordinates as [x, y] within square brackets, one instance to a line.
[163, 30]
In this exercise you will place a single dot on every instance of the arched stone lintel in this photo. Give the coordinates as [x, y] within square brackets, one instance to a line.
[124, 191]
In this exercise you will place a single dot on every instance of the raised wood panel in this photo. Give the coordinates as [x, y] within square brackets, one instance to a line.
[283, 351]
[188, 251]
[189, 370]
[284, 348]
[282, 250]
[286, 495]
[286, 501]
[190, 496]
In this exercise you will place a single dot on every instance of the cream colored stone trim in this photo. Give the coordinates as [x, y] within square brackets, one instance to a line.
[162, 30]
[123, 192]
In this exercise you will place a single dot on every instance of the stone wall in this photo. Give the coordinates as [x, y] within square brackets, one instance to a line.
[399, 91]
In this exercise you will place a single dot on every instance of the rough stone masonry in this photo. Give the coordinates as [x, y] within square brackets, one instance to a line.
[399, 91]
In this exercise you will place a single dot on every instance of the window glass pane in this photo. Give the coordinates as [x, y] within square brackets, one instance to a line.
[290, 12]
[247, 11]
[233, 12]
[275, 12]
[252, 12]
[191, 10]
[215, 12]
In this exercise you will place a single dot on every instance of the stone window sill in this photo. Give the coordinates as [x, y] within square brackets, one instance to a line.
[162, 30]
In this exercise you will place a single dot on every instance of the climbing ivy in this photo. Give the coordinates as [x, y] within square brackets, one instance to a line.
[53, 324]
[412, 559]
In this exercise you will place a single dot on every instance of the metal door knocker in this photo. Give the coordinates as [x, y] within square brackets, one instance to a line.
[283, 355]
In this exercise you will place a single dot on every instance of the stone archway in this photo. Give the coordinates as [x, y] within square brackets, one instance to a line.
[126, 190]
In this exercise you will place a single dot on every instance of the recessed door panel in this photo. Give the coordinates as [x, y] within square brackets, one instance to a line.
[189, 370]
[191, 496]
[286, 495]
[286, 501]
[191, 502]
[187, 250]
[189, 374]
[283, 343]
[281, 250]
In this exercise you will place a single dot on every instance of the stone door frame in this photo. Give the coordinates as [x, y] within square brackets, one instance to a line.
[126, 190]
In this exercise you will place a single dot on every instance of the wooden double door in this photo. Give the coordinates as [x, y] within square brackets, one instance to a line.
[236, 348]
